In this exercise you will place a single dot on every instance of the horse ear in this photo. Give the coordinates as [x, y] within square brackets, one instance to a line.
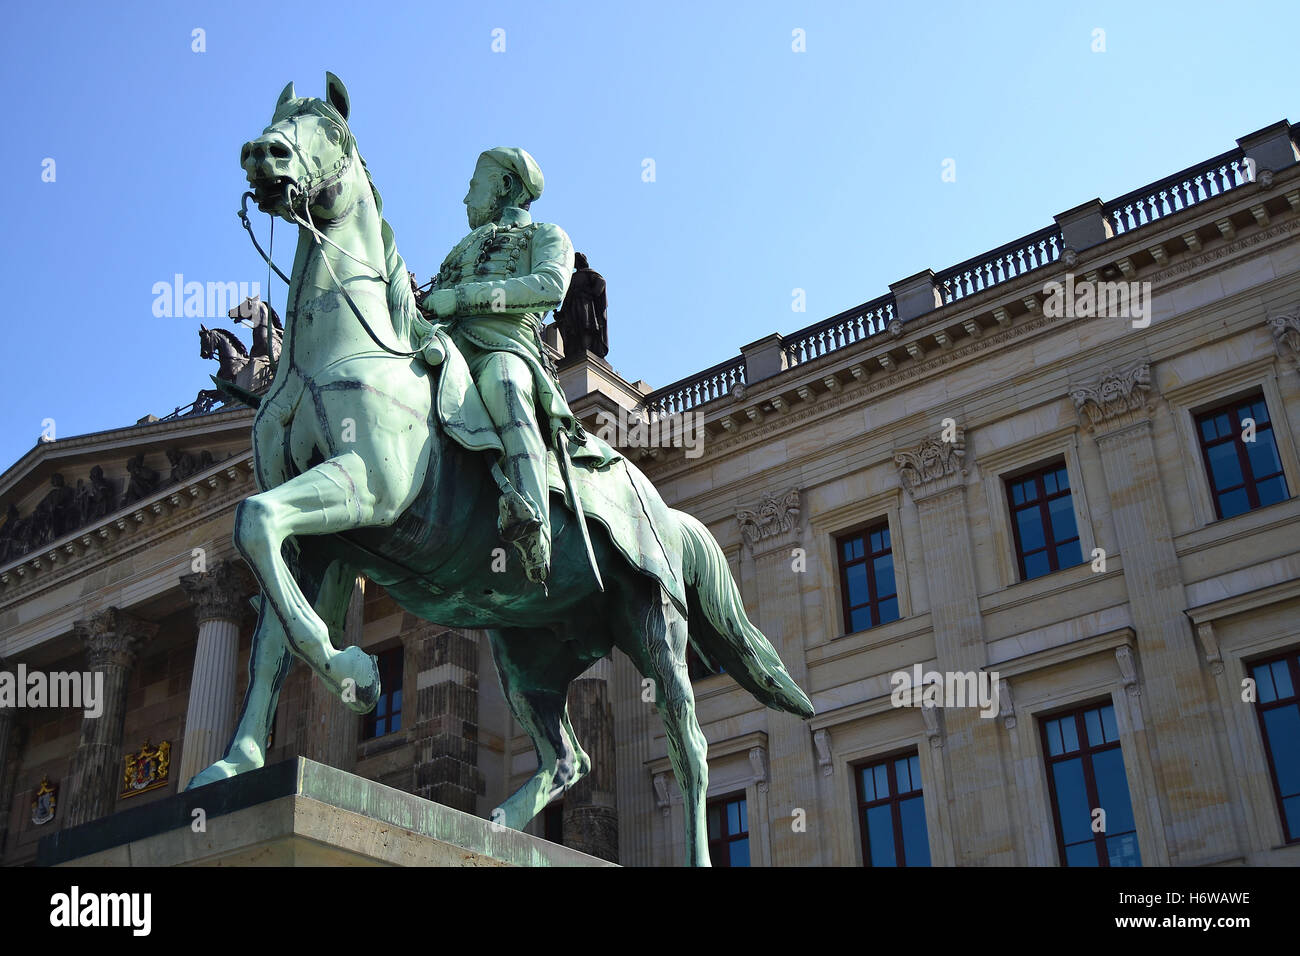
[286, 95]
[202, 327]
[336, 94]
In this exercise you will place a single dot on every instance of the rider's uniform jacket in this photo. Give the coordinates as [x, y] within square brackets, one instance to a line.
[507, 275]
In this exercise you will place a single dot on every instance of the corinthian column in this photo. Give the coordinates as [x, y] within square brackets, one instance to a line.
[220, 599]
[1198, 826]
[933, 474]
[113, 639]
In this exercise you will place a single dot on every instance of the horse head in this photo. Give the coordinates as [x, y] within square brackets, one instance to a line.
[205, 342]
[302, 160]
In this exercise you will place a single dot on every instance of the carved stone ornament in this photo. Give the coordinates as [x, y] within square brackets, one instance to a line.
[113, 637]
[1115, 395]
[758, 763]
[822, 743]
[44, 802]
[1127, 669]
[774, 515]
[662, 798]
[1286, 335]
[933, 727]
[220, 593]
[1006, 707]
[146, 770]
[933, 465]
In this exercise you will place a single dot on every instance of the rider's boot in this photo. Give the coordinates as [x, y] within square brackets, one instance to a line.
[521, 526]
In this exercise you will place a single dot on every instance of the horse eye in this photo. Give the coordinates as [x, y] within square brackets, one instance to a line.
[279, 151]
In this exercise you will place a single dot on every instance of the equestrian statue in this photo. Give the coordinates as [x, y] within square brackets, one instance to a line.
[411, 450]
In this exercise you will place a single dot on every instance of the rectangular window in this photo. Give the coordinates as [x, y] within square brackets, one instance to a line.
[1241, 459]
[1089, 789]
[867, 578]
[728, 820]
[1042, 519]
[891, 813]
[1277, 702]
[386, 718]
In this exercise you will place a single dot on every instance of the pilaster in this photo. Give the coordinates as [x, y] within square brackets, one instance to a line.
[1117, 408]
[933, 474]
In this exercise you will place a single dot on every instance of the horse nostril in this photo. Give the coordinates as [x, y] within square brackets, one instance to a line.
[279, 152]
[244, 153]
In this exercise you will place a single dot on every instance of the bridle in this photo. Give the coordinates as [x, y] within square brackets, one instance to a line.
[305, 192]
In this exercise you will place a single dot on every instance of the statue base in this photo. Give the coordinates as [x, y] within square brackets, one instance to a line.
[299, 813]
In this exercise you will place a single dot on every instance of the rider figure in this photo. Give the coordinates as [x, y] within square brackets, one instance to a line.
[491, 292]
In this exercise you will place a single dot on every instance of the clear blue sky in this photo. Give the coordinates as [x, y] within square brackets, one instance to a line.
[774, 169]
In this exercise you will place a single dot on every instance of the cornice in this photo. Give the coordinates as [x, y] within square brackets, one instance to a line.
[129, 529]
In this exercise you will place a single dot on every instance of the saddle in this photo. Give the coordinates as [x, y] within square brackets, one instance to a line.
[613, 491]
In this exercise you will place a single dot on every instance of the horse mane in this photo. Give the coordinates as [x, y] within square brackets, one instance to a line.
[410, 326]
[232, 339]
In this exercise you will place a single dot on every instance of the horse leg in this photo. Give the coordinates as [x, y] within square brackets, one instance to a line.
[268, 665]
[339, 494]
[536, 669]
[661, 656]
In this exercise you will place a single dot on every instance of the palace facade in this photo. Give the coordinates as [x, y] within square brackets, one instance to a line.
[1054, 485]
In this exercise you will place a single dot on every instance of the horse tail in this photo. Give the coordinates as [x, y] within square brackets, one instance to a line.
[722, 634]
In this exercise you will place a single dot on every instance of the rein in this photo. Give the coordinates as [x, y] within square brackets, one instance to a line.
[292, 190]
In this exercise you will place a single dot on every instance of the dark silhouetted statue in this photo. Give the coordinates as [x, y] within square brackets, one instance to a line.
[581, 318]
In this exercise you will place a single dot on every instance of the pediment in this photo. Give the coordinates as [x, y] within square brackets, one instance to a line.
[61, 486]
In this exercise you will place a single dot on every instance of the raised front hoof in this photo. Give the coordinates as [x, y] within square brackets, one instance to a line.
[358, 674]
[221, 770]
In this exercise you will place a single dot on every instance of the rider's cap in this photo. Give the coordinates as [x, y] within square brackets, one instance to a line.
[521, 164]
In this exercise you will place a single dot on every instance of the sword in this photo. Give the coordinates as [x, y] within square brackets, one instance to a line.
[566, 466]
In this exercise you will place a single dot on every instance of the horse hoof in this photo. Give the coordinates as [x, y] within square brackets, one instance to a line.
[221, 770]
[362, 670]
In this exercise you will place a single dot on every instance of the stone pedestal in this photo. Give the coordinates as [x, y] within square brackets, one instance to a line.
[220, 599]
[299, 813]
[113, 640]
[590, 806]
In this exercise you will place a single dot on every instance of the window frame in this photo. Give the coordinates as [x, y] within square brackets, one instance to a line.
[865, 531]
[1219, 387]
[1077, 711]
[1037, 472]
[894, 801]
[722, 801]
[1251, 483]
[1292, 657]
[386, 667]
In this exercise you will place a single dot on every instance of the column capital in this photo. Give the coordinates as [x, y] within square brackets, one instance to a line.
[772, 522]
[219, 593]
[1115, 399]
[112, 636]
[932, 467]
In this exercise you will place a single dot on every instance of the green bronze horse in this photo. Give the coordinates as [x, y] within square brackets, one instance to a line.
[357, 475]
